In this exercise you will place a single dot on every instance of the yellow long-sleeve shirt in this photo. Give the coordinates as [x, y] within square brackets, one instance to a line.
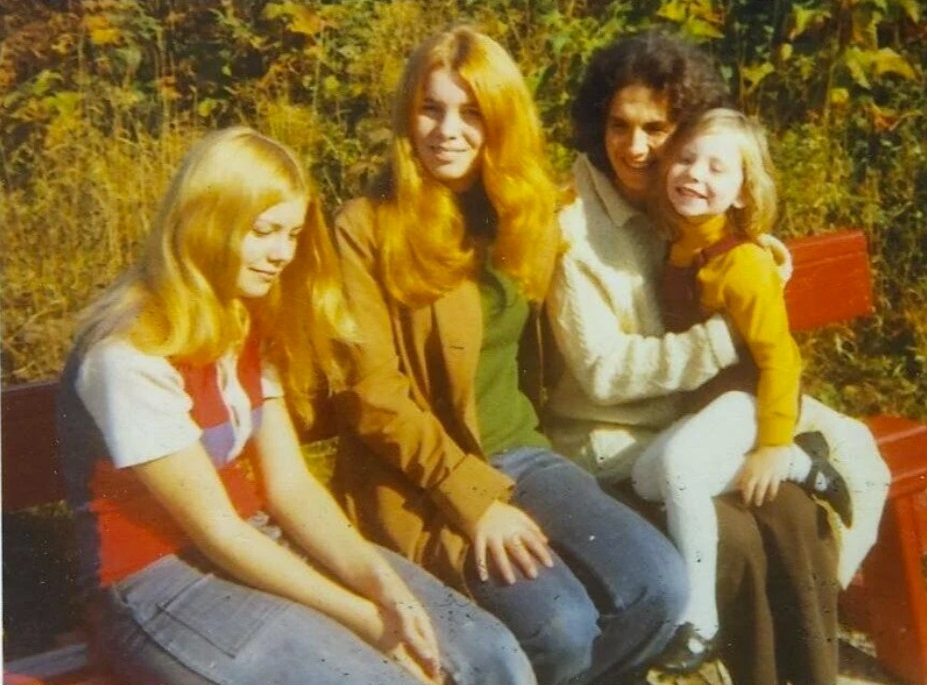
[743, 283]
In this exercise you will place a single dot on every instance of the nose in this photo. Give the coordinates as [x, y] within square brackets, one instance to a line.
[639, 144]
[450, 123]
[282, 248]
[696, 170]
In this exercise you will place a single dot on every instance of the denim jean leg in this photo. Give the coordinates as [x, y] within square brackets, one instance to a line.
[552, 617]
[476, 648]
[630, 570]
[174, 624]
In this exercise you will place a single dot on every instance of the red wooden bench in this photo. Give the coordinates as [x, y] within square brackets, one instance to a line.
[831, 283]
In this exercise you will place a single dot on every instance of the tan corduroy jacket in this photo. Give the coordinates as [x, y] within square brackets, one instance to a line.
[410, 471]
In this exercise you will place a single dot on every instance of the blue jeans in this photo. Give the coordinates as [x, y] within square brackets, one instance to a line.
[611, 602]
[174, 624]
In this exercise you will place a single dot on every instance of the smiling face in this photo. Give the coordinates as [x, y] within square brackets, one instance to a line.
[706, 177]
[448, 131]
[636, 127]
[268, 247]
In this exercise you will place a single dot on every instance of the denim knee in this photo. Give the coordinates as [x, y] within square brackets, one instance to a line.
[563, 647]
[490, 654]
[663, 592]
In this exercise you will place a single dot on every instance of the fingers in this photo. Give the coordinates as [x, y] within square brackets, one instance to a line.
[773, 490]
[757, 491]
[401, 656]
[522, 557]
[479, 555]
[411, 628]
[524, 553]
[747, 487]
[513, 542]
[537, 545]
[501, 561]
[423, 643]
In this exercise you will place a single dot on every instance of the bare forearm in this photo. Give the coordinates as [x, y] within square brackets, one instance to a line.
[311, 517]
[317, 525]
[256, 560]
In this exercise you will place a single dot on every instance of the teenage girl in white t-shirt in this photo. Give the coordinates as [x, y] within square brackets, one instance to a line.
[180, 368]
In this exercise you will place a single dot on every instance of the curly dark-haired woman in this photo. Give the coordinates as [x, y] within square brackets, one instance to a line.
[625, 375]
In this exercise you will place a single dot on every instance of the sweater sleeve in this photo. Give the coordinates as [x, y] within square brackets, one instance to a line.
[746, 284]
[609, 333]
[378, 403]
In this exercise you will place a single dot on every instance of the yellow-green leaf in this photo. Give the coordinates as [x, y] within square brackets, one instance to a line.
[755, 73]
[306, 22]
[856, 62]
[672, 10]
[887, 61]
[699, 28]
[912, 9]
[206, 106]
[100, 30]
[804, 18]
[839, 96]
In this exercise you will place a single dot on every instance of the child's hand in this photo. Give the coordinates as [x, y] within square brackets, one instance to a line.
[763, 470]
[780, 254]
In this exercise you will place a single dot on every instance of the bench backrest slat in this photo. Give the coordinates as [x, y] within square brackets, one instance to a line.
[29, 445]
[832, 281]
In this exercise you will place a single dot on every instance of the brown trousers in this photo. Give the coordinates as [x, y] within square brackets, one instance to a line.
[777, 588]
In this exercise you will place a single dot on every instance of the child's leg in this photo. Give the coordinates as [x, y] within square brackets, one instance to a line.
[696, 458]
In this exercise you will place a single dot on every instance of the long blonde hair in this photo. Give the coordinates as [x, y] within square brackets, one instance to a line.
[180, 301]
[759, 210]
[425, 250]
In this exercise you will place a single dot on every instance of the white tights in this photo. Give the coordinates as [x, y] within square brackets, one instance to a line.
[696, 458]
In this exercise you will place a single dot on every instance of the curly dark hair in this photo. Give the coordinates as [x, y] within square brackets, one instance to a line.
[668, 64]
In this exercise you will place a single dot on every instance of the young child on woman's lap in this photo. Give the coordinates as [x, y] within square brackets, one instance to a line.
[717, 196]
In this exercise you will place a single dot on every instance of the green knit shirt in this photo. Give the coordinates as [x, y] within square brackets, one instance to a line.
[506, 416]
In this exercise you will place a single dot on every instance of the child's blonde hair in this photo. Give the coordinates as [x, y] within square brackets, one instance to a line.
[180, 300]
[758, 212]
[424, 248]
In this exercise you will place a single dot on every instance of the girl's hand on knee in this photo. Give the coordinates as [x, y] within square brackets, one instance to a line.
[401, 655]
[763, 471]
[511, 538]
[407, 622]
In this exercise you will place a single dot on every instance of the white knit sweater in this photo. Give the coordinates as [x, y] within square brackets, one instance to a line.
[623, 370]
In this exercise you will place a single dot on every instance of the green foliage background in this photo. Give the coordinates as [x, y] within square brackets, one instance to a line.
[99, 99]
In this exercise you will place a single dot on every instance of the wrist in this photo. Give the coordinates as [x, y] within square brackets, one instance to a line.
[366, 621]
[377, 581]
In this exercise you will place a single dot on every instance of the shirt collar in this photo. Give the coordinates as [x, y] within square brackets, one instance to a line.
[592, 182]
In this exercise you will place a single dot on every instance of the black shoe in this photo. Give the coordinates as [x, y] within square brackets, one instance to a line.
[686, 651]
[824, 481]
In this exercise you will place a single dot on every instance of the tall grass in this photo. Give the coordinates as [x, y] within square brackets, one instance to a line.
[70, 230]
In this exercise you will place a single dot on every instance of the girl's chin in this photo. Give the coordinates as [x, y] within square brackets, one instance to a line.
[689, 212]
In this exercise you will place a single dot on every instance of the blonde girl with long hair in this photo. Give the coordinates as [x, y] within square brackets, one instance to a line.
[208, 552]
[446, 260]
[716, 197]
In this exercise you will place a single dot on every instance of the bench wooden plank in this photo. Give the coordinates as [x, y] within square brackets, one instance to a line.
[831, 282]
[30, 465]
[893, 572]
[63, 666]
